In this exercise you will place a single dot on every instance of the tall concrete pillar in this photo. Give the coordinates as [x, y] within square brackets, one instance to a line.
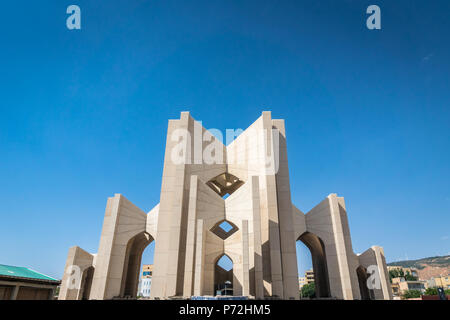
[77, 261]
[257, 254]
[374, 262]
[119, 249]
[270, 233]
[286, 222]
[171, 232]
[199, 259]
[347, 277]
[191, 239]
[245, 260]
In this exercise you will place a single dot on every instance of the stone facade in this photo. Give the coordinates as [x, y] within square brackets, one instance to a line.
[247, 185]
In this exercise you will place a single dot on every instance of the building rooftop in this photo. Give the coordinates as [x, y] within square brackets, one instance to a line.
[23, 272]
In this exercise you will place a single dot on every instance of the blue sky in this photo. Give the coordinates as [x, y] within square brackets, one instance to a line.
[84, 113]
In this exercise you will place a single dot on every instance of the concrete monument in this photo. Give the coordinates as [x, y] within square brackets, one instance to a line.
[245, 184]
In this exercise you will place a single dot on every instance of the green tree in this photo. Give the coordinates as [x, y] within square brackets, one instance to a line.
[410, 277]
[396, 273]
[434, 292]
[308, 291]
[431, 292]
[408, 294]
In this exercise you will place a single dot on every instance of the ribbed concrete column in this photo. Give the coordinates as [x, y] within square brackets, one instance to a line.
[343, 250]
[286, 223]
[245, 260]
[270, 226]
[190, 239]
[169, 229]
[257, 254]
[199, 260]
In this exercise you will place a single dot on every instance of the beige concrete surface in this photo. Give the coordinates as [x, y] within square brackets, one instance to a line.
[247, 185]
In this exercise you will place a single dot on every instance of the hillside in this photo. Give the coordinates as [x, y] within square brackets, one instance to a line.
[427, 267]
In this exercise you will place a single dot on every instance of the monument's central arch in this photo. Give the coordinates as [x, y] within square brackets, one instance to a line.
[223, 276]
[319, 262]
[132, 265]
[205, 184]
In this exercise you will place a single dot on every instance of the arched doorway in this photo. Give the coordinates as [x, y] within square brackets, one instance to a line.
[132, 264]
[319, 264]
[146, 273]
[366, 294]
[223, 276]
[86, 283]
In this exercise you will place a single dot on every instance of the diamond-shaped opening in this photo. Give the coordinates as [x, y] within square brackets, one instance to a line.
[225, 263]
[224, 229]
[225, 184]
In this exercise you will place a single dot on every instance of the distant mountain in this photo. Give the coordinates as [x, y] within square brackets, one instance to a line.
[427, 267]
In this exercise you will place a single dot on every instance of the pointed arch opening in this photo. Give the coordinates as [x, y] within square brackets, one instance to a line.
[366, 293]
[86, 283]
[223, 276]
[317, 277]
[146, 274]
[132, 266]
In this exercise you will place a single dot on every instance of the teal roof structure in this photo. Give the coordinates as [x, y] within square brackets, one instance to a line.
[22, 272]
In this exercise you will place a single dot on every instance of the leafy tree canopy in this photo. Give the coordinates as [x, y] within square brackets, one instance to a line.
[431, 292]
[308, 291]
[398, 273]
[408, 294]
